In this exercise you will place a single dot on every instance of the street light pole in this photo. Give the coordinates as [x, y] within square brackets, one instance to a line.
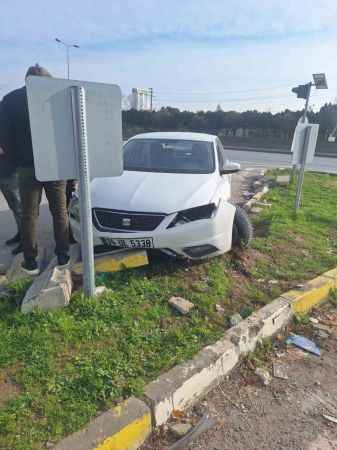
[67, 46]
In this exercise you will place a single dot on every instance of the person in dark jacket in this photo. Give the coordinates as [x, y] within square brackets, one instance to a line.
[9, 186]
[18, 145]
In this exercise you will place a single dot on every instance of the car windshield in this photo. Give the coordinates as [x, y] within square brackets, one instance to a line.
[169, 155]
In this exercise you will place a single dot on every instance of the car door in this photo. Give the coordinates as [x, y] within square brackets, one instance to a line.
[225, 183]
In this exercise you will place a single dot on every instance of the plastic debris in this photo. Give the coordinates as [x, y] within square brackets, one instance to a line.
[204, 424]
[304, 344]
[330, 418]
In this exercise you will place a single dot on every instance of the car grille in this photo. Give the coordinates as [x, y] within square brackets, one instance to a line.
[125, 221]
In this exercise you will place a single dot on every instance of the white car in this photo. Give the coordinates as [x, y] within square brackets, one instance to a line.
[174, 195]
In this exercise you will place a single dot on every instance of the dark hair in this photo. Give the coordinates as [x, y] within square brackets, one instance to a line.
[37, 71]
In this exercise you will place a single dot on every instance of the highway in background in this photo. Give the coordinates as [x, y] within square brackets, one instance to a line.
[252, 158]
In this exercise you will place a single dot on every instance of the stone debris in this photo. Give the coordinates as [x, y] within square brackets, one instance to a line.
[219, 309]
[271, 282]
[321, 327]
[279, 371]
[256, 210]
[263, 375]
[283, 180]
[180, 429]
[100, 290]
[314, 320]
[180, 304]
[235, 320]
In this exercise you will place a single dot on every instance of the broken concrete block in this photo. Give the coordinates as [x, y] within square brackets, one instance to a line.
[180, 429]
[52, 289]
[264, 376]
[181, 305]
[283, 180]
[235, 319]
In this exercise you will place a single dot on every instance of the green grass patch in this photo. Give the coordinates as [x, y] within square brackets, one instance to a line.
[70, 364]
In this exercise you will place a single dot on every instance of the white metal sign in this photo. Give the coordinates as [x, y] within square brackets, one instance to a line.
[51, 121]
[301, 141]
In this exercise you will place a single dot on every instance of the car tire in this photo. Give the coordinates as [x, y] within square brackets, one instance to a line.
[242, 229]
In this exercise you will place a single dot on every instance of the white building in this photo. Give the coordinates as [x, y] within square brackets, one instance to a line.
[141, 99]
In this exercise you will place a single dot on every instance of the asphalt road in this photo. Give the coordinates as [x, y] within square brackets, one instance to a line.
[249, 158]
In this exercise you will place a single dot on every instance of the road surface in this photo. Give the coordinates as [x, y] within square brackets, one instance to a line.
[248, 158]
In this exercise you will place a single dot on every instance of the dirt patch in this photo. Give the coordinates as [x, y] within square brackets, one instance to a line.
[285, 415]
[8, 389]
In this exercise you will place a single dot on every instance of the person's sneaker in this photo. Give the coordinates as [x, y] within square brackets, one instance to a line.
[15, 240]
[30, 266]
[17, 250]
[63, 259]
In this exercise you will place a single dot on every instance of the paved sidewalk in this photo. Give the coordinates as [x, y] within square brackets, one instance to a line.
[285, 415]
[8, 229]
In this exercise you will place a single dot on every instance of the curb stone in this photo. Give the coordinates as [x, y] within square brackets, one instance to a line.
[184, 384]
[124, 427]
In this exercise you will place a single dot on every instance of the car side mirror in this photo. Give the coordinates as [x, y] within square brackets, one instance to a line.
[230, 168]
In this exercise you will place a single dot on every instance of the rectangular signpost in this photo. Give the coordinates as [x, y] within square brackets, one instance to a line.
[76, 129]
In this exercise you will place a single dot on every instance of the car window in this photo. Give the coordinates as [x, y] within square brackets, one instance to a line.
[169, 155]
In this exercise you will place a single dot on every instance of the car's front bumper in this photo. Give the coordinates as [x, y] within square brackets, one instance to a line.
[195, 240]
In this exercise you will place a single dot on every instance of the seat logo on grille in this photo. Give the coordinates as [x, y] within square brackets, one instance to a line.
[126, 222]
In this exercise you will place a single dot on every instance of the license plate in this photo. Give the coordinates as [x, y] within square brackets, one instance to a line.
[128, 243]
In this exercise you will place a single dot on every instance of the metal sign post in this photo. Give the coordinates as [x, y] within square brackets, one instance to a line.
[79, 112]
[300, 177]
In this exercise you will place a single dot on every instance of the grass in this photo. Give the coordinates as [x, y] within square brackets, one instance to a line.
[70, 364]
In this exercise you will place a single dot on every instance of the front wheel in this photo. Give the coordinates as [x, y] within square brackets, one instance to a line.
[242, 234]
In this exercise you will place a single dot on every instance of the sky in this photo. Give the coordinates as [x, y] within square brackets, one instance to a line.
[195, 54]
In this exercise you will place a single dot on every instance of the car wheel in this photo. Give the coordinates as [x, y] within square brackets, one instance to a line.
[242, 229]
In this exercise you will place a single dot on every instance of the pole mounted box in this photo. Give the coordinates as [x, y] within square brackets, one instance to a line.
[51, 121]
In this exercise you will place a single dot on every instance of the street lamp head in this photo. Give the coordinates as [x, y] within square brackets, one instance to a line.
[57, 40]
[76, 46]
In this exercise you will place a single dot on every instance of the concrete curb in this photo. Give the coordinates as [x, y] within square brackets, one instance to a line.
[184, 384]
[124, 427]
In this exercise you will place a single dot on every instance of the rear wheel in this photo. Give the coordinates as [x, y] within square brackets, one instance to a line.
[242, 229]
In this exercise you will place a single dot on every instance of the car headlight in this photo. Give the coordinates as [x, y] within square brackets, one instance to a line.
[74, 209]
[192, 214]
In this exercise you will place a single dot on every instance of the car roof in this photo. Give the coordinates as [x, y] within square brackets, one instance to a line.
[182, 135]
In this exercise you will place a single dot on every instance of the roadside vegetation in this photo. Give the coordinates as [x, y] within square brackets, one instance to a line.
[61, 368]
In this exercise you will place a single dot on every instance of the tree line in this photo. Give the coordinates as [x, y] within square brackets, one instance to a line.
[279, 125]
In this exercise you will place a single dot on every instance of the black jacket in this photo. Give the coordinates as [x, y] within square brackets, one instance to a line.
[7, 167]
[15, 135]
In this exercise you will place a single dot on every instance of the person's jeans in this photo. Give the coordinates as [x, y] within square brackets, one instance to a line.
[30, 192]
[9, 186]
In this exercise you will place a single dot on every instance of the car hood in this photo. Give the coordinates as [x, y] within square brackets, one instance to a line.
[153, 192]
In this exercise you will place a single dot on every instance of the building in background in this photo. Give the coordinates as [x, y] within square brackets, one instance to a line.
[141, 99]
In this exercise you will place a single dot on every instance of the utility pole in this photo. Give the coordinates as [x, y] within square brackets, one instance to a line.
[67, 46]
[151, 99]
